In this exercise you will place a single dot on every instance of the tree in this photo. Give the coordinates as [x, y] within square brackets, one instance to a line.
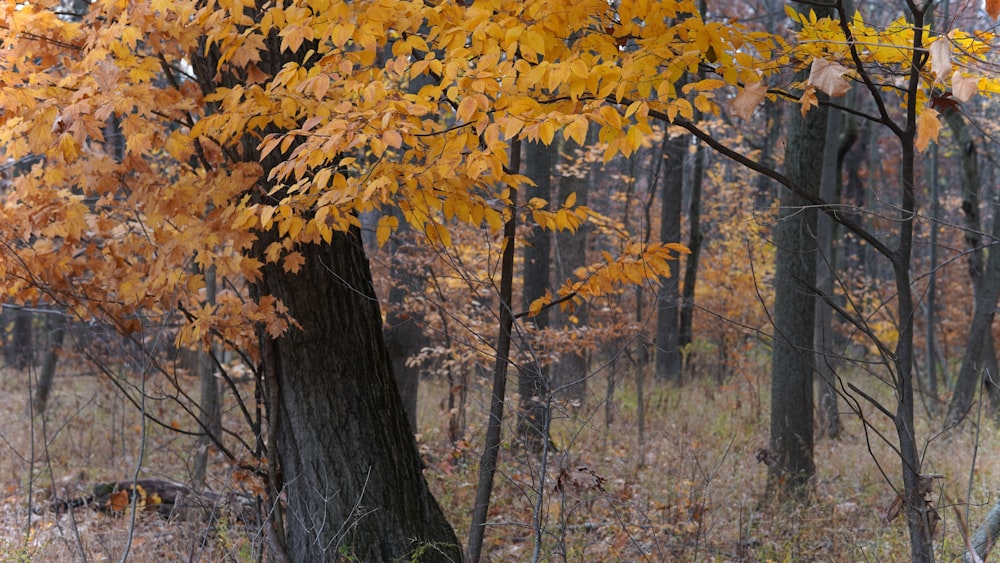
[668, 352]
[533, 376]
[792, 364]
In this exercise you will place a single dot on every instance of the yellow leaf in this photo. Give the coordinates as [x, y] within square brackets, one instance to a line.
[571, 200]
[538, 304]
[928, 127]
[466, 109]
[577, 130]
[386, 224]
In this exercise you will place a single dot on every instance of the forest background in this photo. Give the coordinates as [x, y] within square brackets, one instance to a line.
[272, 265]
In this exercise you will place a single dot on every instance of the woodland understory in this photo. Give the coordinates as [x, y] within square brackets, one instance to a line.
[691, 491]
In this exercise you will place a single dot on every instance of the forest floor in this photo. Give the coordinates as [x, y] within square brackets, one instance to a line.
[690, 490]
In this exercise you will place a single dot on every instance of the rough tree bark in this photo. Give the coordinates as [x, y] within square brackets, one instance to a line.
[695, 237]
[979, 359]
[829, 414]
[350, 469]
[532, 382]
[792, 468]
[569, 375]
[668, 352]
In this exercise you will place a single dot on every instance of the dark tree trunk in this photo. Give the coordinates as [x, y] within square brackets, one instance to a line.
[694, 245]
[18, 350]
[829, 414]
[350, 469]
[532, 382]
[341, 451]
[668, 352]
[55, 325]
[792, 468]
[404, 333]
[211, 398]
[979, 359]
[569, 374]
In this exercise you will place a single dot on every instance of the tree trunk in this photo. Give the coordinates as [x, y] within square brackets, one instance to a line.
[350, 469]
[532, 382]
[211, 399]
[792, 468]
[695, 236]
[569, 375]
[829, 414]
[55, 324]
[980, 357]
[668, 352]
[18, 351]
[403, 331]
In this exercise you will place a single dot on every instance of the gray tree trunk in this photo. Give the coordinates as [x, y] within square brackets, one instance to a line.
[569, 375]
[695, 237]
[979, 361]
[792, 467]
[668, 352]
[211, 399]
[55, 325]
[829, 414]
[532, 383]
[350, 469]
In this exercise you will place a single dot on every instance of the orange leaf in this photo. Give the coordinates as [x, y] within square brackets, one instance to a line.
[292, 262]
[118, 501]
[928, 127]
[993, 8]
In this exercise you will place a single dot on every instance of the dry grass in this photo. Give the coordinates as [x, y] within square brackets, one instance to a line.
[690, 492]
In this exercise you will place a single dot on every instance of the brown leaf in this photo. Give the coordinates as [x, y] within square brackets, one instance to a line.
[829, 77]
[580, 478]
[894, 509]
[747, 100]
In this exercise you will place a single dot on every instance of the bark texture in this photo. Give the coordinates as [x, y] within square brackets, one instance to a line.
[668, 352]
[792, 468]
[351, 472]
[533, 376]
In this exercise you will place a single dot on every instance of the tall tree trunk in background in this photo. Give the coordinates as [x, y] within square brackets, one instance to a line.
[211, 398]
[403, 330]
[532, 383]
[930, 318]
[18, 351]
[668, 352]
[695, 237]
[980, 356]
[569, 374]
[829, 414]
[792, 467]
[350, 469]
[55, 326]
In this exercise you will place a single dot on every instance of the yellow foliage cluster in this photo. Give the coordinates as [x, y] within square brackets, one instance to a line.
[131, 177]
